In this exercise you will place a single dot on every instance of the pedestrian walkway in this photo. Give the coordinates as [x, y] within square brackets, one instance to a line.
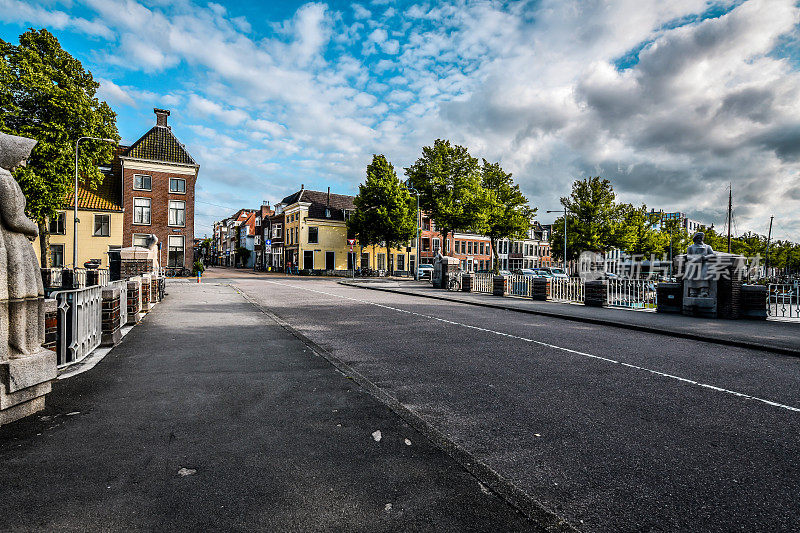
[781, 337]
[211, 416]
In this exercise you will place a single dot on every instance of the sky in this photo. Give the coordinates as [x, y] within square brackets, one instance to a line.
[671, 101]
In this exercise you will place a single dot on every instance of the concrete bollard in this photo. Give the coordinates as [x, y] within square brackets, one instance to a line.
[134, 300]
[541, 289]
[466, 282]
[499, 286]
[595, 293]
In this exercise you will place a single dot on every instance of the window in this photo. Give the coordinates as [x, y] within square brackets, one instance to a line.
[457, 244]
[57, 255]
[401, 262]
[140, 239]
[142, 182]
[177, 185]
[482, 251]
[141, 211]
[175, 255]
[313, 235]
[426, 244]
[381, 261]
[327, 213]
[102, 223]
[436, 244]
[58, 224]
[469, 247]
[177, 213]
[276, 231]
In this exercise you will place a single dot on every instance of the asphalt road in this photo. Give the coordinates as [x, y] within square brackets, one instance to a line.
[210, 416]
[612, 430]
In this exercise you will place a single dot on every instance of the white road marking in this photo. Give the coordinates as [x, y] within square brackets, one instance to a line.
[553, 346]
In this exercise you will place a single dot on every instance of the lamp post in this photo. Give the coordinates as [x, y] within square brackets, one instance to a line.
[565, 235]
[75, 218]
[411, 189]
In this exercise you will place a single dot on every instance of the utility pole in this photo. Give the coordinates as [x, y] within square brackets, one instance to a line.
[769, 238]
[730, 210]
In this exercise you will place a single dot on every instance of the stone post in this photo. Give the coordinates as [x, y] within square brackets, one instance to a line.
[754, 301]
[26, 367]
[499, 286]
[147, 303]
[466, 282]
[111, 316]
[154, 294]
[541, 289]
[92, 277]
[596, 293]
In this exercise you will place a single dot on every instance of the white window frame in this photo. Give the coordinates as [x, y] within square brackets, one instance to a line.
[50, 251]
[94, 227]
[176, 180]
[149, 208]
[183, 249]
[169, 213]
[135, 188]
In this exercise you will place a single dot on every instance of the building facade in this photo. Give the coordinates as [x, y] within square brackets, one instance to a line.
[158, 191]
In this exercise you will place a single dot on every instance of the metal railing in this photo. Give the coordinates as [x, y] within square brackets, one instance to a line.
[80, 319]
[482, 283]
[520, 285]
[631, 293]
[783, 300]
[566, 290]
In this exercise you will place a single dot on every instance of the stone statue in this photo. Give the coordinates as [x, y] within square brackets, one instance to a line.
[152, 246]
[26, 368]
[20, 275]
[699, 247]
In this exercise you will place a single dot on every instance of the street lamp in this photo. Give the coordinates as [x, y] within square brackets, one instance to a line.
[75, 218]
[411, 189]
[565, 235]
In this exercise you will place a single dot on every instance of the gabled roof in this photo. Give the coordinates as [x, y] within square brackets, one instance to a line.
[159, 144]
[320, 201]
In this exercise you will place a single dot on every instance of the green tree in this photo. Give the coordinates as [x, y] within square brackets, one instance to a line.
[592, 219]
[637, 231]
[448, 180]
[242, 256]
[676, 235]
[47, 95]
[508, 213]
[385, 210]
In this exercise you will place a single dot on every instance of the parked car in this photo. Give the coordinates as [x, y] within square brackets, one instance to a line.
[504, 272]
[554, 272]
[425, 271]
[528, 272]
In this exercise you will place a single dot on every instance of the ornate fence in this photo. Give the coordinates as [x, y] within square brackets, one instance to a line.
[482, 283]
[631, 293]
[783, 301]
[567, 290]
[79, 323]
[520, 285]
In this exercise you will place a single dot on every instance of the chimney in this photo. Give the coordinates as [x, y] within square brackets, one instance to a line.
[302, 186]
[161, 116]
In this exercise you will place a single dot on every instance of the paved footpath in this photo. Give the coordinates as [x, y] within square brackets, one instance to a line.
[270, 435]
[775, 336]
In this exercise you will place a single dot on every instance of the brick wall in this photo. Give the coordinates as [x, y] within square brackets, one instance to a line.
[499, 285]
[595, 293]
[754, 301]
[541, 289]
[110, 317]
[159, 210]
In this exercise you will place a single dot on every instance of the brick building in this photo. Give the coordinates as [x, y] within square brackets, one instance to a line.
[158, 190]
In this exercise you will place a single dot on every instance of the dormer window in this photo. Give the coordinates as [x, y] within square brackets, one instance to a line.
[327, 212]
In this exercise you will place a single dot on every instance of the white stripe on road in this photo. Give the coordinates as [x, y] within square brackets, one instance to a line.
[553, 346]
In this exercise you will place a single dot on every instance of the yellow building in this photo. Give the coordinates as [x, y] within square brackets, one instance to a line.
[99, 227]
[316, 236]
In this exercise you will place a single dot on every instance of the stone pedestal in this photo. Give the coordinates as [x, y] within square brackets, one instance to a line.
[540, 289]
[595, 293]
[147, 300]
[111, 317]
[92, 277]
[466, 283]
[499, 286]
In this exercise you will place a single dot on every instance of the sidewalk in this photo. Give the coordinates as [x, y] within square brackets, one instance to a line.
[211, 416]
[780, 337]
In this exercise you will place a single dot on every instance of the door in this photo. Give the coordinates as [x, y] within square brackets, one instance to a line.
[413, 265]
[308, 260]
[329, 261]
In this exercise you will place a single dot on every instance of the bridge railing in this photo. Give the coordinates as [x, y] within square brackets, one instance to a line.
[79, 323]
[783, 300]
[631, 293]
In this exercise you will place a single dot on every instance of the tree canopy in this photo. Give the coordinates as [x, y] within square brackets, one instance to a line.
[508, 214]
[385, 210]
[47, 95]
[448, 180]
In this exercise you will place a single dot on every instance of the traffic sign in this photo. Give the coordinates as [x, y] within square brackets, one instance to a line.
[268, 242]
[351, 242]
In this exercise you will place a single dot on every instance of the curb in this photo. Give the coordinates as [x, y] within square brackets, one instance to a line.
[505, 489]
[596, 321]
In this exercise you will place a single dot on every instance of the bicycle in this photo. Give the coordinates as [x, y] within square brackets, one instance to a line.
[453, 285]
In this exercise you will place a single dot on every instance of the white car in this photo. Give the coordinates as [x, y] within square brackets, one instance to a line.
[425, 271]
[555, 272]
